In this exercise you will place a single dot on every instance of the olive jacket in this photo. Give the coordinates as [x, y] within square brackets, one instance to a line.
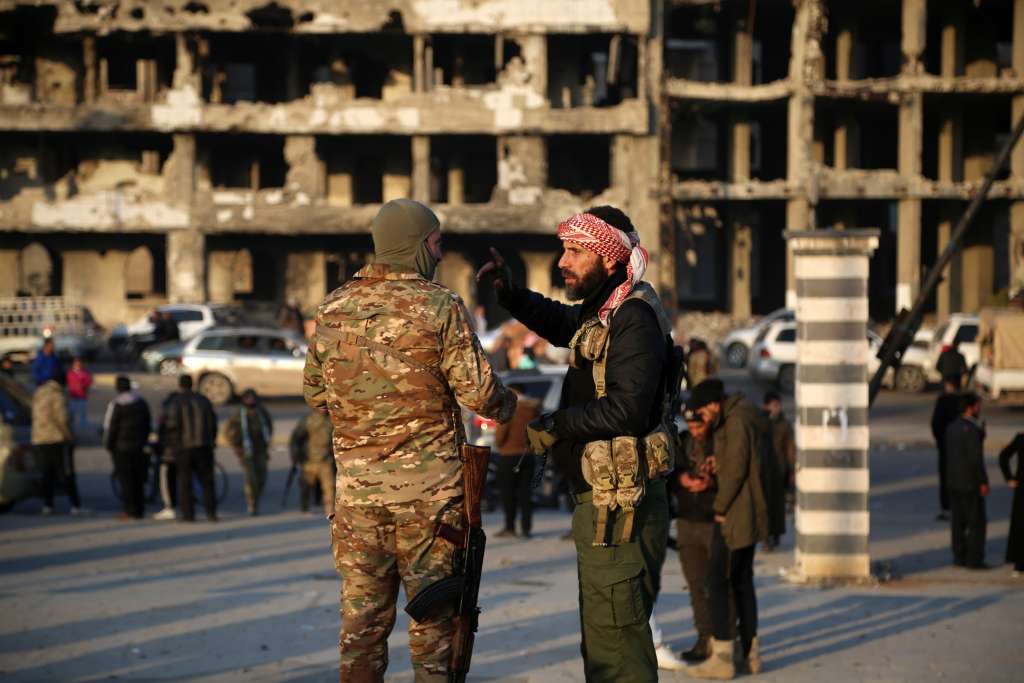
[741, 440]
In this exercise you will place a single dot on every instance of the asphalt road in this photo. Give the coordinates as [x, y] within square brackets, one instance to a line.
[91, 598]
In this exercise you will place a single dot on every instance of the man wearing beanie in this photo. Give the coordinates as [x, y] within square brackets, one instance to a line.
[393, 356]
[618, 324]
[740, 440]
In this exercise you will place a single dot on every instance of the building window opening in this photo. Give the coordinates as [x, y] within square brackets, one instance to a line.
[463, 59]
[693, 43]
[697, 144]
[366, 169]
[773, 26]
[580, 164]
[464, 169]
[594, 70]
[252, 162]
[135, 68]
[375, 67]
[240, 70]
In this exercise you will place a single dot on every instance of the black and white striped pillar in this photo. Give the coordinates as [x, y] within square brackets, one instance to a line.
[832, 434]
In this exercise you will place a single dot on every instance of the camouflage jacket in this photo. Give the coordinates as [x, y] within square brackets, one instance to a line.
[310, 442]
[50, 423]
[395, 438]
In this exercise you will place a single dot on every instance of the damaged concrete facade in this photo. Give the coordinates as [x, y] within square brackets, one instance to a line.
[805, 114]
[244, 145]
[236, 150]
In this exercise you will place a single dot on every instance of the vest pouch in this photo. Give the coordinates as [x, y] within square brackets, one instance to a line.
[599, 471]
[588, 343]
[659, 453]
[629, 475]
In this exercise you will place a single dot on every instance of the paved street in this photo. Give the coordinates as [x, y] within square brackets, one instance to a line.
[92, 598]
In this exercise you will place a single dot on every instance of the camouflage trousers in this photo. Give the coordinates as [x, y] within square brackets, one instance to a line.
[375, 547]
[311, 474]
[255, 471]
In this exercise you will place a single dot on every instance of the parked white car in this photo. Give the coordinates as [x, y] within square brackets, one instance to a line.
[773, 356]
[736, 346]
[227, 360]
[914, 375]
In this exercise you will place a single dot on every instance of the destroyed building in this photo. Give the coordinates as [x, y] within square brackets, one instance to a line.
[236, 150]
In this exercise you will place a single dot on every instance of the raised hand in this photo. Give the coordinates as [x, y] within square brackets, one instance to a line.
[498, 270]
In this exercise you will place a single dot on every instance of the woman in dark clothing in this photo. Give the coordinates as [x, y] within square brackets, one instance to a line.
[1015, 541]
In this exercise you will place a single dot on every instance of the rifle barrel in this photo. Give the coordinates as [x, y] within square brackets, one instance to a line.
[913, 318]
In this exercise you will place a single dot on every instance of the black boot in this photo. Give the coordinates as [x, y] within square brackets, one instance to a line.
[700, 651]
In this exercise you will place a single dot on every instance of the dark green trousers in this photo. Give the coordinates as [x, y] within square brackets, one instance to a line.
[618, 585]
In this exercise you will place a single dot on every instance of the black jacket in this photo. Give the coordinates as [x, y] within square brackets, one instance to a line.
[1015, 447]
[127, 424]
[634, 381]
[695, 507]
[947, 409]
[965, 458]
[951, 363]
[188, 421]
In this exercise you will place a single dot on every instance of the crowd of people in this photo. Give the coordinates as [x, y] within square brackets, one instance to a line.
[176, 444]
[960, 434]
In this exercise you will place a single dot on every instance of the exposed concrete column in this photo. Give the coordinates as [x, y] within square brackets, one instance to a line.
[805, 67]
[186, 266]
[534, 50]
[944, 293]
[538, 270]
[306, 172]
[421, 168]
[740, 234]
[914, 25]
[90, 75]
[185, 73]
[1016, 254]
[305, 278]
[419, 47]
[950, 156]
[456, 180]
[908, 269]
[832, 515]
[457, 274]
[180, 170]
[742, 241]
[8, 272]
[220, 286]
[846, 141]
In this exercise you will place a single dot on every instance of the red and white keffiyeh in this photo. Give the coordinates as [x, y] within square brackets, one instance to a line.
[593, 234]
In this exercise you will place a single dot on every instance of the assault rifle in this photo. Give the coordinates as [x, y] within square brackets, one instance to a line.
[288, 484]
[461, 590]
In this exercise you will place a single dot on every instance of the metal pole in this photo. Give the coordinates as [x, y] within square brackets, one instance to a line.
[907, 322]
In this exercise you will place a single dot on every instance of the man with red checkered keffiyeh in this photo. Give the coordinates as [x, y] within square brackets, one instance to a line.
[603, 265]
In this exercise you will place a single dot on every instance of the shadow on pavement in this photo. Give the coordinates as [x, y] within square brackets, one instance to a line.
[852, 621]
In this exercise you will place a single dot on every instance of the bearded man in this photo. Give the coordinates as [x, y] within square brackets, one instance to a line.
[620, 324]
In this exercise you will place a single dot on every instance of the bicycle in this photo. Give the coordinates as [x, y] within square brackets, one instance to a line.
[152, 490]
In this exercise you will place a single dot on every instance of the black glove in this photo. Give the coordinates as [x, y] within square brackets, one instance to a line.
[541, 434]
[498, 271]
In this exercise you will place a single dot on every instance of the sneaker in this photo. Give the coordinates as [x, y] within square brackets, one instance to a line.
[1016, 574]
[667, 659]
[46, 511]
[167, 514]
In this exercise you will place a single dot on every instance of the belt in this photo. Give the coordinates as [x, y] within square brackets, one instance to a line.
[580, 498]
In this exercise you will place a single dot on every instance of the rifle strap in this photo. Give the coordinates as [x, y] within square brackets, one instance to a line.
[627, 527]
[601, 532]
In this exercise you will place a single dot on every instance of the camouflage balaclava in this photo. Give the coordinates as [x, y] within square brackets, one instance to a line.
[400, 230]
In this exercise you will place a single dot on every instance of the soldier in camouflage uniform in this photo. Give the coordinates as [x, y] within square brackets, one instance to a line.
[310, 448]
[393, 355]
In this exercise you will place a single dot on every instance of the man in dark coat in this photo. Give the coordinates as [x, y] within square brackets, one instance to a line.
[1015, 541]
[776, 470]
[952, 365]
[516, 463]
[968, 484]
[189, 428]
[126, 429]
[603, 264]
[739, 432]
[947, 409]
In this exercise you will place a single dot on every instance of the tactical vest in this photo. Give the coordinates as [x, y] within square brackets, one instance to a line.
[619, 469]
